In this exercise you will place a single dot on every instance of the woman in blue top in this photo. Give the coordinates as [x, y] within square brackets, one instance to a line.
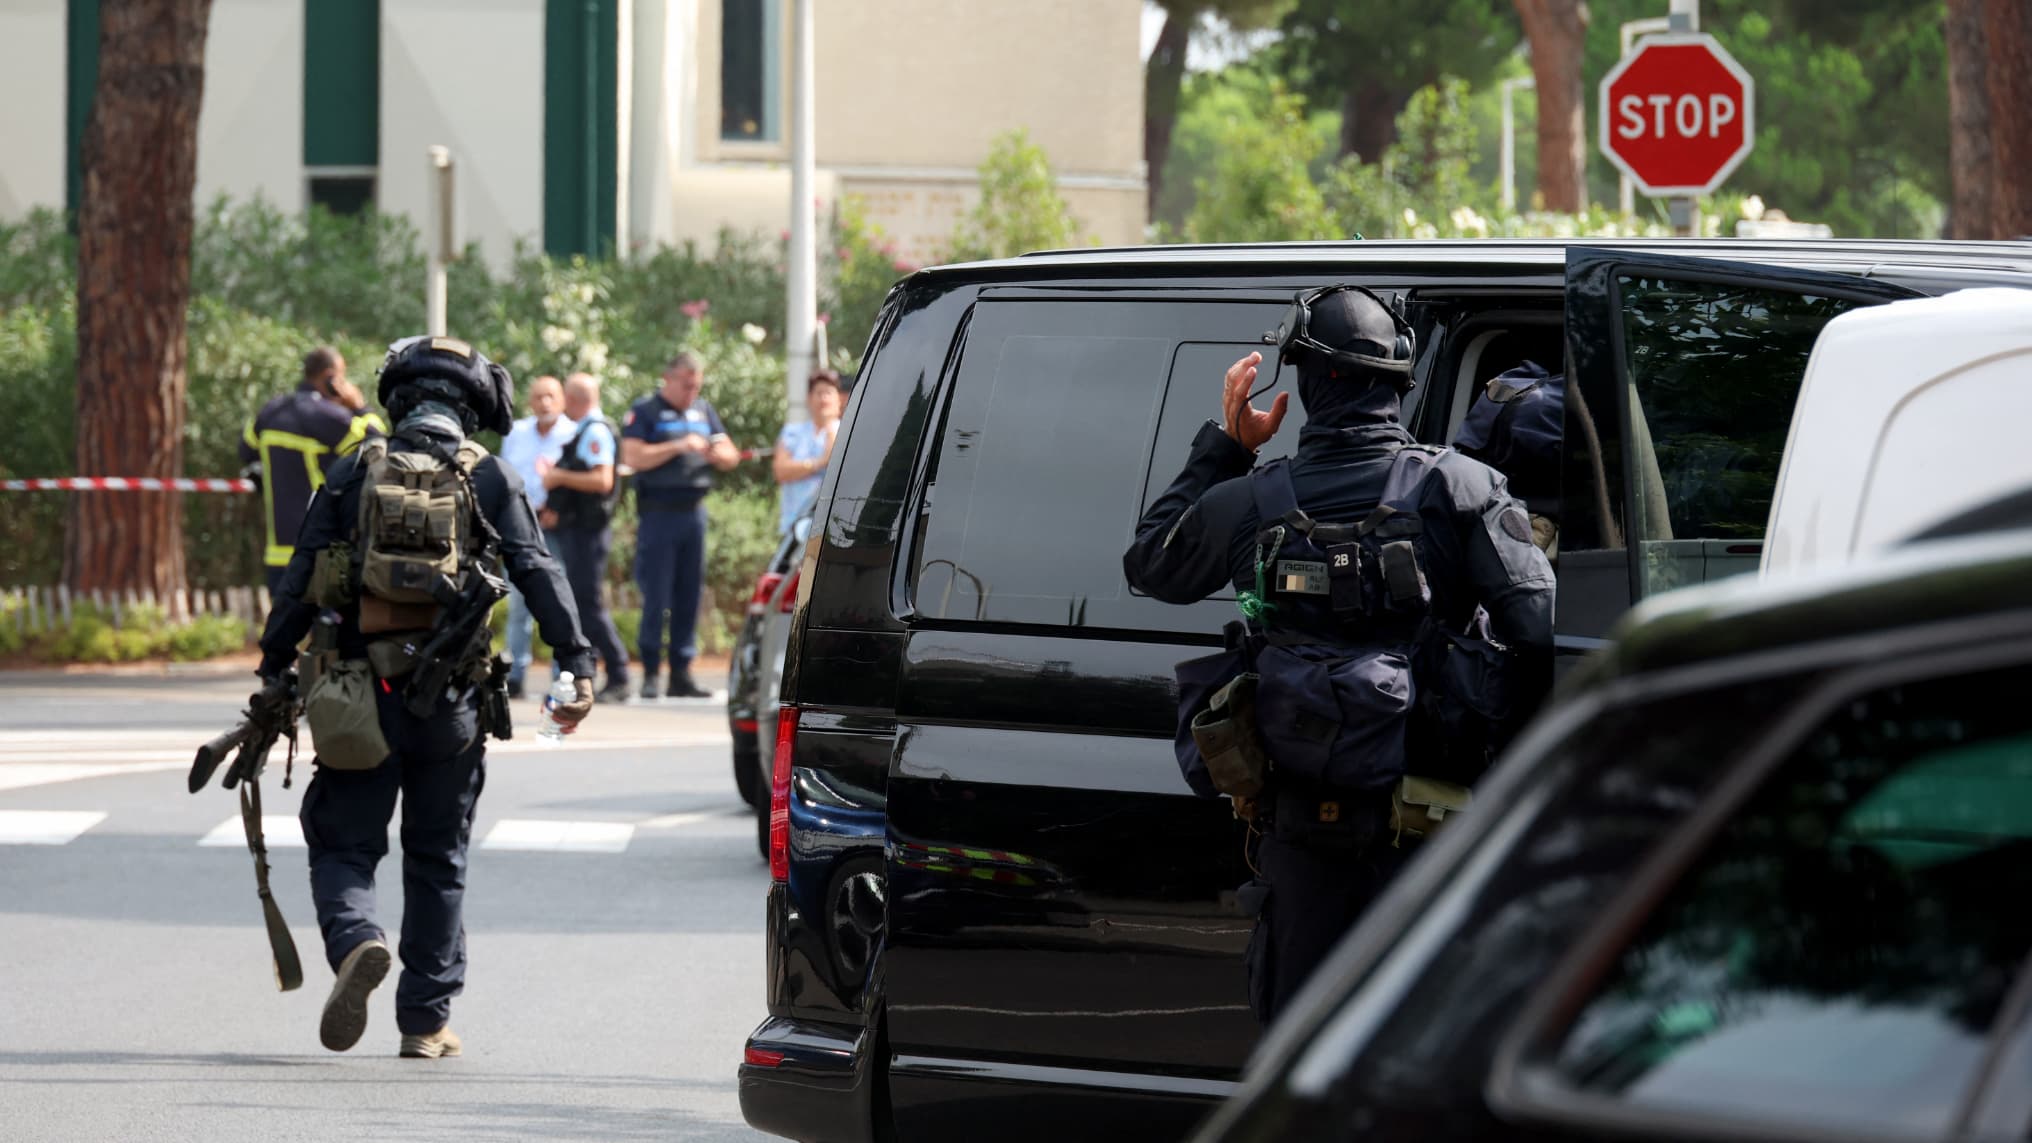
[804, 447]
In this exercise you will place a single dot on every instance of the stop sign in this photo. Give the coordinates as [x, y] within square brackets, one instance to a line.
[1677, 114]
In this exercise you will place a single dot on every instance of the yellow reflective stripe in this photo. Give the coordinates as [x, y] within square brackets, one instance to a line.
[309, 448]
[362, 425]
[248, 435]
[277, 555]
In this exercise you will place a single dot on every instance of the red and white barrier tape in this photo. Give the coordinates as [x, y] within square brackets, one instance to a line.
[125, 484]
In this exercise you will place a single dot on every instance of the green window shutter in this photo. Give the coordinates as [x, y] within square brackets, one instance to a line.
[81, 43]
[342, 83]
[580, 69]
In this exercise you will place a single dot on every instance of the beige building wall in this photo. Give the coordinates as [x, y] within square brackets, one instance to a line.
[911, 95]
[32, 84]
[250, 128]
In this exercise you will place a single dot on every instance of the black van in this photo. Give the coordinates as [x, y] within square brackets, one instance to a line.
[996, 912]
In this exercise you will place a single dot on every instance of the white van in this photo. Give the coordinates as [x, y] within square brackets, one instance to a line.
[1910, 413]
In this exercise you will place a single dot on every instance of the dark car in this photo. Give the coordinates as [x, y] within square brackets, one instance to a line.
[746, 669]
[996, 911]
[1760, 877]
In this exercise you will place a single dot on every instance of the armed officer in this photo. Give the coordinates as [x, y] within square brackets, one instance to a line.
[1327, 851]
[385, 717]
[290, 445]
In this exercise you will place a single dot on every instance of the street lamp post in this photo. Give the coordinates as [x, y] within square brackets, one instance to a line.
[1509, 155]
[800, 337]
[1626, 192]
[442, 244]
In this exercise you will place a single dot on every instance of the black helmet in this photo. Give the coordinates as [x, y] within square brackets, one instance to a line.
[1346, 327]
[449, 370]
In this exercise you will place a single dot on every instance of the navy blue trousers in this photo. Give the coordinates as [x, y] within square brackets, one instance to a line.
[1315, 896]
[670, 568]
[438, 766]
[583, 552]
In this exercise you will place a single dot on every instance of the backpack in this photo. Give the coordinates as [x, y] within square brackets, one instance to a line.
[1381, 691]
[419, 527]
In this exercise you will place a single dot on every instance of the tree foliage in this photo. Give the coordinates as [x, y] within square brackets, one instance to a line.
[1020, 208]
[1262, 189]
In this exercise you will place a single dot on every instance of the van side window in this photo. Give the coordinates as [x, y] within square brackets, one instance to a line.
[1051, 448]
[1713, 372]
[1837, 959]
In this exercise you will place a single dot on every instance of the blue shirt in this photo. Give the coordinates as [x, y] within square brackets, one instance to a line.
[682, 480]
[525, 444]
[596, 446]
[800, 440]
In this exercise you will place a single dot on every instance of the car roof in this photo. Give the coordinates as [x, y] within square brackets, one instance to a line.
[1850, 255]
[1892, 392]
[1919, 584]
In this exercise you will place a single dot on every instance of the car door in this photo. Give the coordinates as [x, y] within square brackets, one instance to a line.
[1060, 906]
[1685, 372]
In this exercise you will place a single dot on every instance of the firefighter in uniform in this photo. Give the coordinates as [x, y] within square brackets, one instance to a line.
[1327, 852]
[289, 446]
[428, 494]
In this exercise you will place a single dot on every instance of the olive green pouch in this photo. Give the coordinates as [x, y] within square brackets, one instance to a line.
[396, 657]
[345, 723]
[1419, 806]
[331, 576]
[1228, 739]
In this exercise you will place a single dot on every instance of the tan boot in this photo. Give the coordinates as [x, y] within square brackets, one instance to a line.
[443, 1042]
[345, 1016]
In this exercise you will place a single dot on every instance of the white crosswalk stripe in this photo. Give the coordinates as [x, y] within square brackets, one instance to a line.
[559, 836]
[45, 827]
[282, 831]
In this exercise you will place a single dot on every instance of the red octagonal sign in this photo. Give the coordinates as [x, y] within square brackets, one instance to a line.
[1678, 114]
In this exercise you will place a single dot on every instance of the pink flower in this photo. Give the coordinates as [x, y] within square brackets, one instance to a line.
[825, 319]
[785, 236]
[903, 267]
[695, 309]
[844, 253]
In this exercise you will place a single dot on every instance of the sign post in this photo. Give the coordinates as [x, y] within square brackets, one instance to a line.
[1677, 116]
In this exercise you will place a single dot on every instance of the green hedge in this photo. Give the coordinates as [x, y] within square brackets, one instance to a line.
[267, 286]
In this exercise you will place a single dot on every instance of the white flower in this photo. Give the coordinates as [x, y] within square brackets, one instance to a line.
[1753, 207]
[586, 293]
[1410, 219]
[556, 337]
[593, 357]
[755, 334]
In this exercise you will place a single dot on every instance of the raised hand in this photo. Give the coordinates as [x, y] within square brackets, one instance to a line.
[1251, 427]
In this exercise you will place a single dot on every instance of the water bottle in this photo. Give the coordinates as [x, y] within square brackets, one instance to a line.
[551, 733]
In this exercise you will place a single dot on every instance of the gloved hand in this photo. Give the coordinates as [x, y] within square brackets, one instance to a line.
[570, 714]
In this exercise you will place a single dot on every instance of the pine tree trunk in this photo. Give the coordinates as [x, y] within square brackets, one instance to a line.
[1557, 30]
[139, 159]
[1162, 78]
[2007, 34]
[1369, 120]
[1968, 103]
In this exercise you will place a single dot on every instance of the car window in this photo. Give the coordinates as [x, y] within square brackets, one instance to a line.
[1713, 372]
[1064, 418]
[1838, 955]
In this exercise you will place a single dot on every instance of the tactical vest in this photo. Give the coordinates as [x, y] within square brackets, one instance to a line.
[418, 529]
[588, 511]
[1358, 684]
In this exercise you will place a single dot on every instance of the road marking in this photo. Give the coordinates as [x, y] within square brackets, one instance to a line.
[282, 831]
[45, 827]
[676, 821]
[559, 836]
[19, 775]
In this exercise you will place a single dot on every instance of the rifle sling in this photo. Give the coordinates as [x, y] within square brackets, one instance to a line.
[288, 968]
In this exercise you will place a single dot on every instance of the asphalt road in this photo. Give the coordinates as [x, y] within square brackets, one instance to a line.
[615, 962]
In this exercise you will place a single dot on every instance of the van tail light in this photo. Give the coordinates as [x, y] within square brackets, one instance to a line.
[779, 795]
[789, 602]
[765, 586]
[761, 1057]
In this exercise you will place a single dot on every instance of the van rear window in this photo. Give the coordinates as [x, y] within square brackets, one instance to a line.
[1046, 452]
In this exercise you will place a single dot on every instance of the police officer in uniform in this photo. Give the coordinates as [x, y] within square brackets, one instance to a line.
[1326, 853]
[674, 441]
[438, 391]
[583, 490]
[291, 443]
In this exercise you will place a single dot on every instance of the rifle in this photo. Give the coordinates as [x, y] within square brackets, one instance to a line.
[270, 714]
[460, 641]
